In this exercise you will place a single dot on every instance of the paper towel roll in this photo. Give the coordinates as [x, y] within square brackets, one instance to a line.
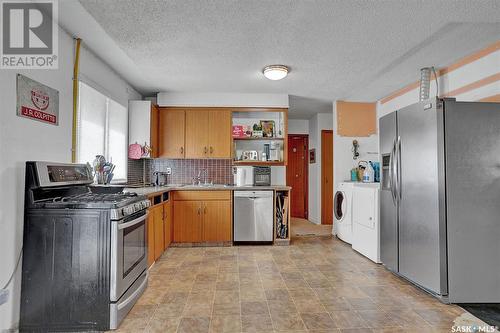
[240, 176]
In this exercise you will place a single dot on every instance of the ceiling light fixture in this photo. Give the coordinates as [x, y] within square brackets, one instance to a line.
[275, 72]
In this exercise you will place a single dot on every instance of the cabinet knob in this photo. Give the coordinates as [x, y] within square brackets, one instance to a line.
[211, 149]
[205, 150]
[182, 150]
[199, 210]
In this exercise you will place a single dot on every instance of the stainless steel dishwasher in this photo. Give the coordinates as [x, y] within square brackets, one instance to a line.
[253, 216]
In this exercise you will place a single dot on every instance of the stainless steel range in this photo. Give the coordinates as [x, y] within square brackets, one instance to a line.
[86, 250]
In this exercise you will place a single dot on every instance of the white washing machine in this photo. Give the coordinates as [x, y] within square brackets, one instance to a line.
[342, 209]
[365, 220]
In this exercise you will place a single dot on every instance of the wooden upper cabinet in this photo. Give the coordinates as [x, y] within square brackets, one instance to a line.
[171, 133]
[219, 133]
[197, 129]
[217, 221]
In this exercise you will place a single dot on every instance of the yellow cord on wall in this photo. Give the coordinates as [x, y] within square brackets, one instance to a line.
[75, 99]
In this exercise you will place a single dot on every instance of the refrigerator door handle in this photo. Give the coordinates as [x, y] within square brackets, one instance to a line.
[398, 169]
[391, 171]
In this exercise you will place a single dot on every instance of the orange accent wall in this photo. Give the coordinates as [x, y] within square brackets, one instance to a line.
[474, 85]
[356, 119]
[494, 98]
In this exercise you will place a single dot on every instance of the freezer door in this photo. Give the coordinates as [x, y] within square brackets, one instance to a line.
[473, 191]
[388, 203]
[422, 225]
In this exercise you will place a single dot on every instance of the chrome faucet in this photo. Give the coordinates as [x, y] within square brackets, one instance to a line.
[197, 179]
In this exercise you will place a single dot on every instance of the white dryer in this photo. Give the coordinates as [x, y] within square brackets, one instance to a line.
[365, 220]
[342, 208]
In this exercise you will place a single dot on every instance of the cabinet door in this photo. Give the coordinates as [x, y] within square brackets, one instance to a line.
[159, 233]
[151, 237]
[197, 128]
[171, 133]
[217, 221]
[187, 221]
[167, 223]
[219, 134]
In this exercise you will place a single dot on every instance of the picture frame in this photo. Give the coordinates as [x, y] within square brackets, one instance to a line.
[312, 156]
[267, 128]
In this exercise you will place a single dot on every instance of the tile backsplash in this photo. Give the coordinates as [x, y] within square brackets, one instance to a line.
[220, 171]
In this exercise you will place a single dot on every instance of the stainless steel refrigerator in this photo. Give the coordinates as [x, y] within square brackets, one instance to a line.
[440, 198]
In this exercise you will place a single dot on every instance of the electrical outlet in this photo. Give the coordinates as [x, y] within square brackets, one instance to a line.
[169, 171]
[4, 296]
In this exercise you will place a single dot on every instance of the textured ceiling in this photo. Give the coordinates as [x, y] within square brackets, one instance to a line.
[304, 107]
[353, 50]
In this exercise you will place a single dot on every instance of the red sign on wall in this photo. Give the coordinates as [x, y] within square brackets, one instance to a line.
[37, 101]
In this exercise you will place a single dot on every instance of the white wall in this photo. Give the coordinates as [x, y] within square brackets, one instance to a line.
[462, 76]
[320, 121]
[298, 126]
[222, 99]
[22, 139]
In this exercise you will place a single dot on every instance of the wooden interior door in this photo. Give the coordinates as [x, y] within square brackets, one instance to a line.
[217, 221]
[159, 246]
[219, 133]
[326, 177]
[197, 129]
[187, 221]
[171, 133]
[297, 174]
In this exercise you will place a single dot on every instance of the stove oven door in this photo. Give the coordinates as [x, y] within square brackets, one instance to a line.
[128, 252]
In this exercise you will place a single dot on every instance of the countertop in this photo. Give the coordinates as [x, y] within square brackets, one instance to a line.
[155, 190]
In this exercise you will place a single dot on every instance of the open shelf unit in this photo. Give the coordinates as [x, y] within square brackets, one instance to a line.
[282, 227]
[247, 118]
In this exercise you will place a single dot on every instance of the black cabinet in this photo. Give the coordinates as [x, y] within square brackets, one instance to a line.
[66, 268]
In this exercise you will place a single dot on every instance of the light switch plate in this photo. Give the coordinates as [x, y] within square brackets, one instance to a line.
[4, 296]
[169, 171]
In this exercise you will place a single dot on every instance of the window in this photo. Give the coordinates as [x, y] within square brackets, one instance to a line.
[102, 130]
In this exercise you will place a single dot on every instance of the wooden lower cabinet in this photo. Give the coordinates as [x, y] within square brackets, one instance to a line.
[167, 223]
[159, 246]
[159, 230]
[217, 221]
[150, 228]
[206, 220]
[187, 221]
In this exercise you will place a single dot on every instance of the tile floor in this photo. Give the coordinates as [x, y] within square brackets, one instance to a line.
[315, 285]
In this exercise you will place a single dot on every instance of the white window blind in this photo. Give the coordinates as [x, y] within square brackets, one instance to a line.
[102, 129]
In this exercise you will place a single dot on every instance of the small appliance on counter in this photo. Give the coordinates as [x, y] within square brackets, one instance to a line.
[252, 176]
[262, 176]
